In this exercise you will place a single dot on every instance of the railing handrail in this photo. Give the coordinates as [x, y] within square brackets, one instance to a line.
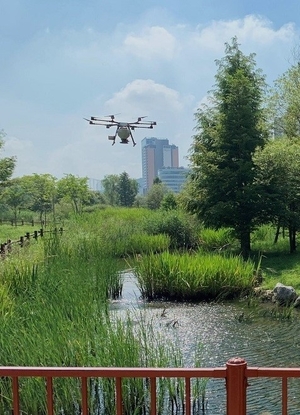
[112, 372]
[236, 374]
[273, 372]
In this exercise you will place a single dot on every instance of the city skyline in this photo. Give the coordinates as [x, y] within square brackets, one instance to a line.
[159, 159]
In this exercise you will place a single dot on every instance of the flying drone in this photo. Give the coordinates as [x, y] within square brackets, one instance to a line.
[123, 129]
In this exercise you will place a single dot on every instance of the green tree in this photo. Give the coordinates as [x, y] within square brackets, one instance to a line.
[223, 190]
[169, 201]
[110, 185]
[42, 191]
[16, 196]
[140, 201]
[127, 190]
[96, 198]
[285, 103]
[74, 190]
[157, 180]
[155, 196]
[7, 164]
[277, 168]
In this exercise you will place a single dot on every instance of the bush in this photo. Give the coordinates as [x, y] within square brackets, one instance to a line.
[181, 228]
[216, 240]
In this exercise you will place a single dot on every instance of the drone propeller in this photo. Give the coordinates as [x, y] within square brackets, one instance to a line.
[112, 116]
[140, 118]
[89, 121]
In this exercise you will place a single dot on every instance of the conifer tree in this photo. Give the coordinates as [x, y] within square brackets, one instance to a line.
[228, 131]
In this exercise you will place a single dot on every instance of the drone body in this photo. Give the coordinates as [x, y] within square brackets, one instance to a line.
[123, 129]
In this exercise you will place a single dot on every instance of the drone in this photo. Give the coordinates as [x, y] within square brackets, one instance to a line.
[123, 129]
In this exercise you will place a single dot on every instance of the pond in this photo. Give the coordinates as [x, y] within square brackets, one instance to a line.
[226, 330]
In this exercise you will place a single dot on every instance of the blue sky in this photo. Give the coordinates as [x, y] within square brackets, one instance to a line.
[63, 60]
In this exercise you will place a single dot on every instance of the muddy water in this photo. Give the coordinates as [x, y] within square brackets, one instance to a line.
[225, 331]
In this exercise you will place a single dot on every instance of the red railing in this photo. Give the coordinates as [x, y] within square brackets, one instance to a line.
[236, 375]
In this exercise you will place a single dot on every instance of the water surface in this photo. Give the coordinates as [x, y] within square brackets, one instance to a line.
[226, 330]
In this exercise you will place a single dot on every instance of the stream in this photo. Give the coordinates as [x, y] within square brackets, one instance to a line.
[225, 330]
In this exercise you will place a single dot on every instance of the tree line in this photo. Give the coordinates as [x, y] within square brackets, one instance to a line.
[43, 194]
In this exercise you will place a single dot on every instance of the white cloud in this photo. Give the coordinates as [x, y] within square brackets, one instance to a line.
[251, 29]
[154, 43]
[145, 95]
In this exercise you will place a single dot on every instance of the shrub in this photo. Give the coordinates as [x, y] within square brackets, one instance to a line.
[180, 227]
[212, 240]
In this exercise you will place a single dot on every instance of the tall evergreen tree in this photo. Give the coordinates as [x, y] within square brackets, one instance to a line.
[222, 188]
[127, 190]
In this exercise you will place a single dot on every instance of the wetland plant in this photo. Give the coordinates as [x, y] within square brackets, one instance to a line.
[197, 276]
[55, 313]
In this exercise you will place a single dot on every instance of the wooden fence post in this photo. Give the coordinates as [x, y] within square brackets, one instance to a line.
[9, 245]
[236, 384]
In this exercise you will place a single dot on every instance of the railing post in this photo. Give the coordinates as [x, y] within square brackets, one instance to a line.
[236, 384]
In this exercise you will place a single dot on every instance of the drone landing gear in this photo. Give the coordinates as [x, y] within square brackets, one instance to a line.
[112, 138]
[133, 142]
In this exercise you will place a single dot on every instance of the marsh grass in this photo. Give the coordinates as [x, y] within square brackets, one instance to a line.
[197, 276]
[54, 312]
[214, 240]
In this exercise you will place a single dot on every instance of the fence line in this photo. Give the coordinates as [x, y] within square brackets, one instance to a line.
[22, 222]
[6, 247]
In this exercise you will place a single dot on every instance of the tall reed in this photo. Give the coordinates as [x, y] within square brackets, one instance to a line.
[197, 276]
[55, 312]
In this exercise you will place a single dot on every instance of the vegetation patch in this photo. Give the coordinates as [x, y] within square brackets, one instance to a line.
[196, 276]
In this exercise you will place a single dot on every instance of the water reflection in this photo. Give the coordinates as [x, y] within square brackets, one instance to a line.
[262, 341]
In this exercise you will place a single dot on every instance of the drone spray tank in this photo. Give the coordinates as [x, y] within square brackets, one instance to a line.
[124, 133]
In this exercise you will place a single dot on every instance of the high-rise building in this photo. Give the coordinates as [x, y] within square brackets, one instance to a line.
[156, 154]
[173, 177]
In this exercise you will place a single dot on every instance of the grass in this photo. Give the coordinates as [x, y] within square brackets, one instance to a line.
[14, 232]
[198, 276]
[277, 264]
